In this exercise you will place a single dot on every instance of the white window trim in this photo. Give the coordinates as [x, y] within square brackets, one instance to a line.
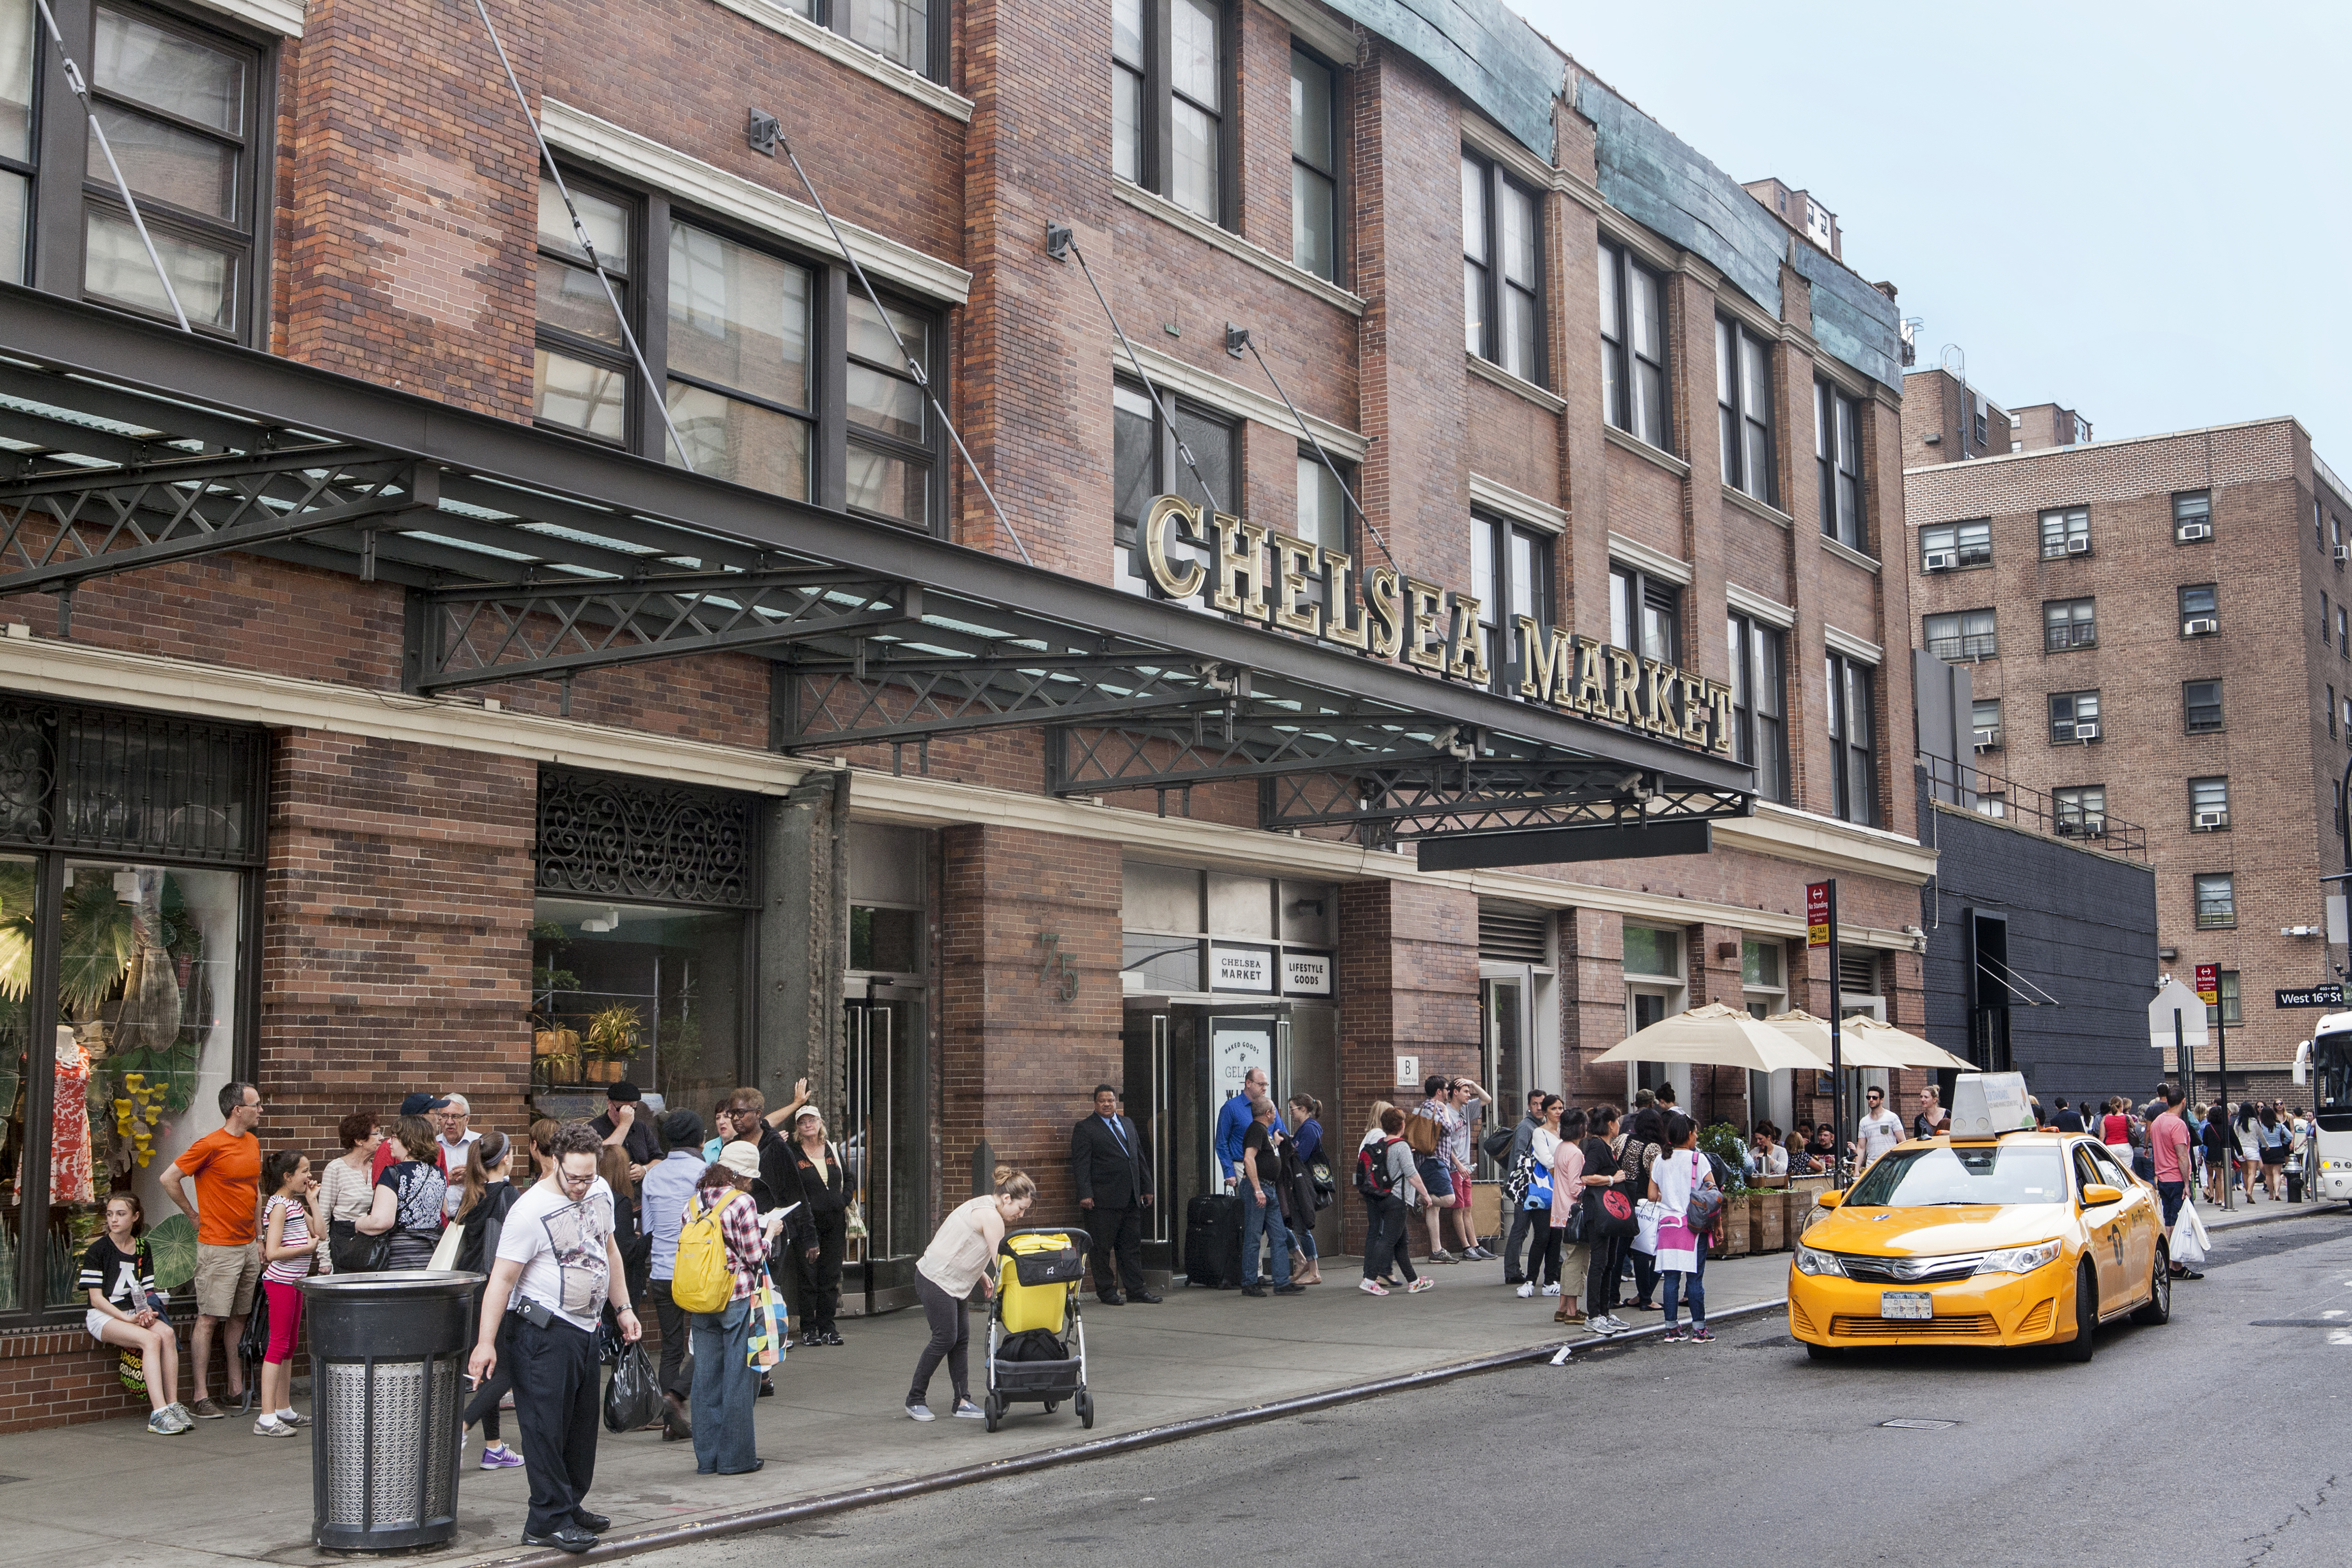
[1845, 551]
[1328, 35]
[1862, 650]
[779, 19]
[1171, 375]
[1656, 561]
[1234, 245]
[1644, 450]
[1764, 510]
[1517, 505]
[641, 159]
[1756, 606]
[1491, 140]
[1487, 370]
[283, 18]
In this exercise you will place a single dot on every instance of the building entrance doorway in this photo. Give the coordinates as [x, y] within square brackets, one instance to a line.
[885, 1141]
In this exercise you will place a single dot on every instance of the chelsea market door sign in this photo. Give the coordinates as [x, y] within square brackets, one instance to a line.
[1237, 968]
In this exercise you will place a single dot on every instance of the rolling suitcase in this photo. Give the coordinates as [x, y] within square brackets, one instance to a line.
[1213, 1241]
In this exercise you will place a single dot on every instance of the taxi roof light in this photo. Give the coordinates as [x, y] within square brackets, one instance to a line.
[1986, 1104]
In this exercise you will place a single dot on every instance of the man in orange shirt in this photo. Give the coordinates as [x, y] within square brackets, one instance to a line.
[226, 1168]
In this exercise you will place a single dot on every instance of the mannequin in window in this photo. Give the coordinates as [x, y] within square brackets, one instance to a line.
[69, 1159]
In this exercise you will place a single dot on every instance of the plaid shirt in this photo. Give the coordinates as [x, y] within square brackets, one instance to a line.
[747, 1243]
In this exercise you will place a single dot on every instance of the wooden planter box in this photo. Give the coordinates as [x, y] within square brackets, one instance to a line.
[1737, 1235]
[1769, 1210]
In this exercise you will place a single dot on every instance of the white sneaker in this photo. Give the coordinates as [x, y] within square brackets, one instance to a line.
[1551, 1290]
[1529, 1289]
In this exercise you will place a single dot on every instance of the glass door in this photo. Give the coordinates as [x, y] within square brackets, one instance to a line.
[884, 1140]
[1504, 1064]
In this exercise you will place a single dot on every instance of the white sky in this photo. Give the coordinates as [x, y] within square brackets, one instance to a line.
[2140, 211]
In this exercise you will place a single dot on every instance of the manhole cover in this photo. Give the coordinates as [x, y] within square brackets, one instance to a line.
[1908, 1424]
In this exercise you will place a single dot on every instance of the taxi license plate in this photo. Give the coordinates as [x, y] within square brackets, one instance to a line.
[1906, 1304]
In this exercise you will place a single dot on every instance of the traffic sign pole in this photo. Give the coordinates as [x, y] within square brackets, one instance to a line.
[2209, 990]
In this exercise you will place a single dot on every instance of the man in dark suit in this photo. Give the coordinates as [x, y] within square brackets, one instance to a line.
[1114, 1183]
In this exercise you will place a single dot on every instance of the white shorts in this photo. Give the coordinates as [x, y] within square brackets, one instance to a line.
[95, 1319]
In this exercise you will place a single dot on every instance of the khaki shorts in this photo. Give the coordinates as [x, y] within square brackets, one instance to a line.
[1574, 1262]
[226, 1280]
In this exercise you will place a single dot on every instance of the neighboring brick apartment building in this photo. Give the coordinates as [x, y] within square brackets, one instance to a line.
[497, 755]
[2128, 609]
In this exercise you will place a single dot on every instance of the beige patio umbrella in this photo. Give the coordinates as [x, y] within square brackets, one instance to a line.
[1913, 1050]
[1855, 1050]
[1714, 1036]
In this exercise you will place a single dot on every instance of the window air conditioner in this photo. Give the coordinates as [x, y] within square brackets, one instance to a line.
[2078, 544]
[1940, 560]
[2094, 826]
[2209, 819]
[2195, 530]
[2201, 626]
[2344, 553]
[1989, 740]
[2086, 731]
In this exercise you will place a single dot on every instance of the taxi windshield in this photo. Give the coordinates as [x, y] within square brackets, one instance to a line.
[1969, 1173]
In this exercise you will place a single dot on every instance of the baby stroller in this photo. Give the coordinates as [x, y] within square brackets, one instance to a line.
[1036, 1345]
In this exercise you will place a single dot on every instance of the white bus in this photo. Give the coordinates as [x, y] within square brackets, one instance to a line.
[2325, 1062]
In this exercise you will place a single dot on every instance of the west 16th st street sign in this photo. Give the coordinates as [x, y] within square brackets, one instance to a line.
[2328, 995]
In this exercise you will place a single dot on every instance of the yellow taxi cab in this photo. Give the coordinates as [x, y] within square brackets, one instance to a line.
[1985, 1236]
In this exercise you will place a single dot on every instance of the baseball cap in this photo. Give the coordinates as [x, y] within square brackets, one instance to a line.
[418, 1104]
[741, 1158]
[624, 1092]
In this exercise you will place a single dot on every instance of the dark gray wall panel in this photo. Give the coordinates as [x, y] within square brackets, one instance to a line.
[1486, 50]
[1851, 321]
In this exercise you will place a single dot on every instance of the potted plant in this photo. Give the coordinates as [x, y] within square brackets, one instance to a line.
[612, 1039]
[1724, 1142]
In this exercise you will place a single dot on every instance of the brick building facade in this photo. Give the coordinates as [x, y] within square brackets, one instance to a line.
[2182, 596]
[1553, 390]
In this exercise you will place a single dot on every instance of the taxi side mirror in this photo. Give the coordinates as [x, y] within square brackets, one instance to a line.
[2097, 1196]
[1829, 1200]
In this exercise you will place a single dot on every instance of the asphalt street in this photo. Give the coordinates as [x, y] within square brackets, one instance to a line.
[2218, 1439]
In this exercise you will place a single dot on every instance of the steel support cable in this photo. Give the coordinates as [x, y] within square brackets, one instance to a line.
[914, 366]
[1249, 341]
[1182, 450]
[580, 233]
[2011, 977]
[122, 186]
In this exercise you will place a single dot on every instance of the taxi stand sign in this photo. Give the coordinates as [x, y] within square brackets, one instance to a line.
[1986, 1104]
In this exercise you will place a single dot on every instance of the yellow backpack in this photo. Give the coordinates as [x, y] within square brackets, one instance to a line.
[703, 1280]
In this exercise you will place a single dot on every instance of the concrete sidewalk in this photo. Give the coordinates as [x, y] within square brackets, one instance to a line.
[110, 1493]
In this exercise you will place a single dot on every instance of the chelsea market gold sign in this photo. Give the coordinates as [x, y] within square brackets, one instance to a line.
[1262, 574]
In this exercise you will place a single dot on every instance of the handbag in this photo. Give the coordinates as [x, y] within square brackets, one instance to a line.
[1572, 1234]
[1646, 1216]
[1609, 1213]
[1325, 1188]
[1535, 1185]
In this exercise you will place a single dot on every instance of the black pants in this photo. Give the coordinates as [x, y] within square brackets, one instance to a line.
[1544, 1248]
[1600, 1278]
[676, 1369]
[950, 1340]
[1646, 1275]
[820, 1277]
[484, 1406]
[1386, 1246]
[1118, 1247]
[1522, 1221]
[556, 1395]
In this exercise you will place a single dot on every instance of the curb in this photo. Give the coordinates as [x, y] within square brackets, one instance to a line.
[770, 1517]
[2305, 1210]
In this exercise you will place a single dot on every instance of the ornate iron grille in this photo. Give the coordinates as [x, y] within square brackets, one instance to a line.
[129, 782]
[607, 835]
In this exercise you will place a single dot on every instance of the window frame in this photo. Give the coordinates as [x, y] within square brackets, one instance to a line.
[2212, 611]
[1621, 360]
[2070, 626]
[2072, 807]
[62, 181]
[1953, 543]
[2216, 787]
[2228, 1007]
[1853, 760]
[1155, 152]
[2065, 517]
[1335, 176]
[1837, 438]
[1633, 591]
[2223, 908]
[610, 357]
[1999, 726]
[2199, 505]
[1493, 284]
[2075, 717]
[827, 14]
[2188, 708]
[1746, 636]
[1500, 575]
[1737, 422]
[1959, 643]
[1168, 475]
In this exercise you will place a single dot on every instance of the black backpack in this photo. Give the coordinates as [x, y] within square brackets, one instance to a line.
[1372, 1169]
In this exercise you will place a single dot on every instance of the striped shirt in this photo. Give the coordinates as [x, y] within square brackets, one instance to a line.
[290, 1270]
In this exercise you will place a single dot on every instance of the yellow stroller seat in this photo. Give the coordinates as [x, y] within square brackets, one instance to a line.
[1036, 1340]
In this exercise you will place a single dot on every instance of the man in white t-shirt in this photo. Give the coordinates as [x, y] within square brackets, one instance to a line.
[1880, 1129]
[558, 1262]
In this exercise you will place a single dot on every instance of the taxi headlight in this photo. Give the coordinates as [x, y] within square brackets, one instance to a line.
[2018, 1259]
[1813, 1260]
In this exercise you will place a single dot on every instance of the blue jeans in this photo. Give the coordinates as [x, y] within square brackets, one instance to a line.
[725, 1389]
[1262, 1218]
[2171, 1193]
[1693, 1288]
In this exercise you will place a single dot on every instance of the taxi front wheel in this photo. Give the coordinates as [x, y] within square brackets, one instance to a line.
[2159, 1308]
[2087, 1317]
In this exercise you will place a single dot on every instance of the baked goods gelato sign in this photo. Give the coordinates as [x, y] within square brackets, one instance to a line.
[1245, 569]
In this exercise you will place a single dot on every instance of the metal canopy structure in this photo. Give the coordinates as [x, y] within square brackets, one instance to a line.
[527, 555]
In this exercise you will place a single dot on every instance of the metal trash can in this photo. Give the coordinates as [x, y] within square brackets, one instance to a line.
[388, 1407]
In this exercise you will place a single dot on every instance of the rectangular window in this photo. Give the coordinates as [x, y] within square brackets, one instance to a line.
[2322, 615]
[2066, 532]
[1168, 74]
[2331, 712]
[1948, 546]
[2201, 701]
[1510, 575]
[741, 389]
[1851, 728]
[1965, 636]
[2208, 804]
[1837, 450]
[1759, 703]
[1313, 167]
[2200, 610]
[2074, 717]
[1992, 803]
[889, 472]
[1634, 348]
[2192, 517]
[1501, 315]
[1145, 463]
[2217, 899]
[1984, 722]
[897, 30]
[1645, 614]
[580, 374]
[2068, 624]
[2079, 810]
[1743, 395]
[2343, 635]
[2225, 1010]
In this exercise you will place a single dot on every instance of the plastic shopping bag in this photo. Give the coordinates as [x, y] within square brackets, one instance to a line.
[1648, 1214]
[2190, 1241]
[631, 1399]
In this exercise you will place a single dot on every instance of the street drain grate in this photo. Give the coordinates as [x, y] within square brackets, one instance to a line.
[1908, 1424]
